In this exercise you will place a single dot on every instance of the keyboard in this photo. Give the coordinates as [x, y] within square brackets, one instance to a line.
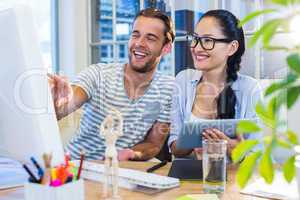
[128, 178]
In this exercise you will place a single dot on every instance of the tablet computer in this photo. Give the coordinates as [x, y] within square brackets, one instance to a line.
[186, 169]
[191, 134]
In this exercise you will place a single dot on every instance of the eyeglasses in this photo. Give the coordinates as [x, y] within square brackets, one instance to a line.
[207, 43]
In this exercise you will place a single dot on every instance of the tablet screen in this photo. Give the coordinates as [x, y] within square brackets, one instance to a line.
[191, 133]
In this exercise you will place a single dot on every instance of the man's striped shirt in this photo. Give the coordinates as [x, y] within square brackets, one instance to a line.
[104, 85]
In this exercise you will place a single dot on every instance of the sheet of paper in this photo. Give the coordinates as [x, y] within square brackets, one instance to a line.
[199, 197]
[279, 189]
[12, 174]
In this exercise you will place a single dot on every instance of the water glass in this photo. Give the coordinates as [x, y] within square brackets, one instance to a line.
[214, 166]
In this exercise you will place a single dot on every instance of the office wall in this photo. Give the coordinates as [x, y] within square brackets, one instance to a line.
[73, 36]
[73, 51]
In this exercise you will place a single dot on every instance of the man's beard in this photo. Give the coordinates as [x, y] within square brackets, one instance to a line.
[146, 68]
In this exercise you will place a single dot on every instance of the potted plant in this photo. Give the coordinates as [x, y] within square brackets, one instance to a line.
[281, 94]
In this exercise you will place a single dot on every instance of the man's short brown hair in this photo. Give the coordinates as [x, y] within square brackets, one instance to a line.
[155, 13]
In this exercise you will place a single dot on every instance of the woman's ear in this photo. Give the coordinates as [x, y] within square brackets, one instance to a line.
[234, 45]
[167, 48]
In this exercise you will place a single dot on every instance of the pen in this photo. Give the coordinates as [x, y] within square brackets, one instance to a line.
[157, 166]
[40, 170]
[32, 177]
[80, 165]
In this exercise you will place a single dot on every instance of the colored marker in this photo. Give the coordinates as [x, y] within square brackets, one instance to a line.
[31, 175]
[53, 174]
[40, 170]
[69, 179]
[67, 159]
[55, 183]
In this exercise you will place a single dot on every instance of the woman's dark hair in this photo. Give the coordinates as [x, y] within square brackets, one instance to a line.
[226, 100]
[155, 13]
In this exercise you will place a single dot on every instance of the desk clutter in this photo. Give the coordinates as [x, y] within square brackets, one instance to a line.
[54, 183]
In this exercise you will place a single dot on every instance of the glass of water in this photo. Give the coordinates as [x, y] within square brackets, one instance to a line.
[214, 166]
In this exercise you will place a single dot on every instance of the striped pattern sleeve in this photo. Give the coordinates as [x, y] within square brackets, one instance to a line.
[89, 79]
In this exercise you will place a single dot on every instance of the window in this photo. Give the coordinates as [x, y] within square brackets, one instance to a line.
[44, 15]
[112, 21]
[111, 24]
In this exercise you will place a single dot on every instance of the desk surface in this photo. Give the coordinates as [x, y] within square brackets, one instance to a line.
[93, 189]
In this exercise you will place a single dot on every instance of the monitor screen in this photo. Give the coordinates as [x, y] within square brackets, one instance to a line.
[28, 125]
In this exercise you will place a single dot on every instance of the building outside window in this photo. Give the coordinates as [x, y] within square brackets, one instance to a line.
[112, 21]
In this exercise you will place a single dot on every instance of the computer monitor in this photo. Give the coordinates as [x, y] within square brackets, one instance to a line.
[28, 125]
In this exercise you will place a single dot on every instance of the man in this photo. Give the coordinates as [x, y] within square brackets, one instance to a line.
[136, 89]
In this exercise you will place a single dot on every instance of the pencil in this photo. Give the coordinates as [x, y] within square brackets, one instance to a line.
[80, 165]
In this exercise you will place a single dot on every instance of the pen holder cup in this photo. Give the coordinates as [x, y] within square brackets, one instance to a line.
[73, 190]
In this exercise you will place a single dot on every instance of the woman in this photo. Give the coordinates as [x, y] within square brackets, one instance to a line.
[214, 89]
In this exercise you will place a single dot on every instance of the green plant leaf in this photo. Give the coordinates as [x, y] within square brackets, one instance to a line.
[289, 169]
[272, 88]
[255, 14]
[275, 104]
[270, 31]
[292, 95]
[285, 2]
[289, 79]
[283, 143]
[293, 61]
[267, 140]
[266, 169]
[241, 149]
[247, 127]
[246, 168]
[272, 105]
[281, 2]
[281, 98]
[261, 31]
[262, 113]
[292, 137]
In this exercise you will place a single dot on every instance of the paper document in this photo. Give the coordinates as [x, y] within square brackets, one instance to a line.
[12, 174]
[279, 189]
[199, 197]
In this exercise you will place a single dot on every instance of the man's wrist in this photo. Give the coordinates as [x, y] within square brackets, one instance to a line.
[136, 155]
